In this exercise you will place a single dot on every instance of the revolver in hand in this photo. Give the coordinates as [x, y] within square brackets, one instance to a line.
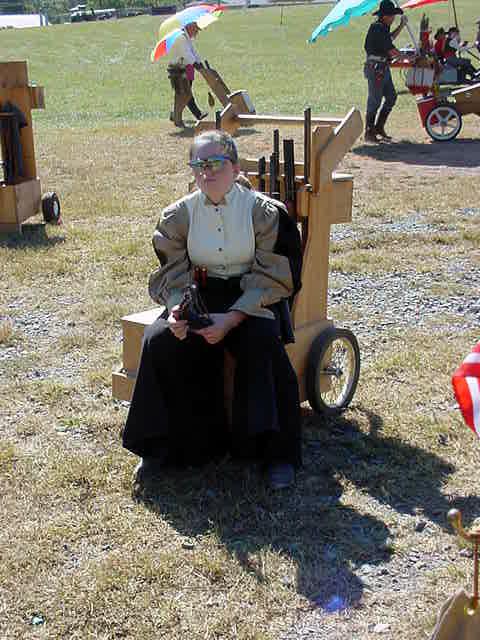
[193, 309]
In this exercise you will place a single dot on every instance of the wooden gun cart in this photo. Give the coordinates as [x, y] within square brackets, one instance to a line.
[325, 359]
[20, 195]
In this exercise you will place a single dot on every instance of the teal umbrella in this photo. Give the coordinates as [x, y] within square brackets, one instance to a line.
[341, 14]
[343, 11]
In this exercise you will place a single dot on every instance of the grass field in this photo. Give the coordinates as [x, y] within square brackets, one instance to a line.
[209, 554]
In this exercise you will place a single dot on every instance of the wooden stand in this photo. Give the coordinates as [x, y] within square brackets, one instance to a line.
[20, 196]
[467, 99]
[238, 102]
[326, 200]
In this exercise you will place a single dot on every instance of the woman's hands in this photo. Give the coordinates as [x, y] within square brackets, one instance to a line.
[179, 328]
[222, 324]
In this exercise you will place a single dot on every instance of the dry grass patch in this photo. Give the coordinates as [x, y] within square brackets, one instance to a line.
[209, 553]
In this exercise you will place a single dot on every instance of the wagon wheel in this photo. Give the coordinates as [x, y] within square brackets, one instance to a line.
[51, 207]
[333, 369]
[443, 123]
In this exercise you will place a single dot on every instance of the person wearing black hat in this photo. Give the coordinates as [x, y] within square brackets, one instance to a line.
[380, 50]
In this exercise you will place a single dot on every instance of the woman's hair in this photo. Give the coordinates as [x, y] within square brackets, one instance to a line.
[439, 32]
[222, 138]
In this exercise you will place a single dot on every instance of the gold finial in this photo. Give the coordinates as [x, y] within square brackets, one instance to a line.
[455, 518]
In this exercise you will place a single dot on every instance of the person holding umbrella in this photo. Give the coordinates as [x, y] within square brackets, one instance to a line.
[175, 37]
[181, 71]
[380, 50]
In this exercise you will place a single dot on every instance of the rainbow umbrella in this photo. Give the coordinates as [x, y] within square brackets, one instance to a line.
[171, 28]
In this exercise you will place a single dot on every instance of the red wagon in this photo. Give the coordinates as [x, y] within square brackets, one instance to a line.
[440, 110]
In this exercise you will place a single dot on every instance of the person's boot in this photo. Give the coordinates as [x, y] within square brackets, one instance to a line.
[380, 126]
[370, 135]
[192, 105]
[149, 467]
[178, 106]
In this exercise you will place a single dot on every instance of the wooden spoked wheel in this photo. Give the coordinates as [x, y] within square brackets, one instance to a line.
[333, 369]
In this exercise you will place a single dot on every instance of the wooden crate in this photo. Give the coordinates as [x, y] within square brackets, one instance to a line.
[134, 325]
[467, 99]
[17, 203]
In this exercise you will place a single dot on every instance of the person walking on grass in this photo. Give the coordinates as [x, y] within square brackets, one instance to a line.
[184, 58]
[380, 50]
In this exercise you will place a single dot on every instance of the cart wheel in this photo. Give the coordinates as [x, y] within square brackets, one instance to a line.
[443, 123]
[333, 369]
[51, 207]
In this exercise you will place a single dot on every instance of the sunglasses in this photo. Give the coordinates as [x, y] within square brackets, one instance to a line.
[214, 163]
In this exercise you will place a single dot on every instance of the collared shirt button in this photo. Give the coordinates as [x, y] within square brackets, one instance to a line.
[219, 229]
[220, 249]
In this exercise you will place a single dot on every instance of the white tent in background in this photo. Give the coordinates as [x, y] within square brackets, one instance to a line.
[21, 21]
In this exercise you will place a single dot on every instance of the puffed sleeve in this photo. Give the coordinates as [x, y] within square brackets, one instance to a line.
[170, 244]
[270, 278]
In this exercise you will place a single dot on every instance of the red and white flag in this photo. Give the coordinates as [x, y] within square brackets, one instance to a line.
[466, 385]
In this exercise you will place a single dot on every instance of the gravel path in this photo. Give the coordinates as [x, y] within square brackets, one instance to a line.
[383, 302]
[405, 298]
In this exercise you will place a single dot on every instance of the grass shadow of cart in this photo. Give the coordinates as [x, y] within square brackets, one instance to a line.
[328, 542]
[406, 478]
[33, 236]
[463, 153]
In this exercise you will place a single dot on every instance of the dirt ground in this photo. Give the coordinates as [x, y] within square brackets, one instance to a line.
[360, 548]
[461, 156]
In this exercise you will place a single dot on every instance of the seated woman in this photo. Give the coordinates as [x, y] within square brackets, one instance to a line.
[177, 414]
[453, 46]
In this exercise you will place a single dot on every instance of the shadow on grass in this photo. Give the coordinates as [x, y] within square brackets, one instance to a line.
[327, 541]
[185, 132]
[457, 153]
[33, 236]
[405, 477]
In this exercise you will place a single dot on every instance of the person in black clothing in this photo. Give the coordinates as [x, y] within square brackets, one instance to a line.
[236, 238]
[380, 50]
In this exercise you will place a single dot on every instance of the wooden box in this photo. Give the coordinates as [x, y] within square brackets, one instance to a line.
[17, 203]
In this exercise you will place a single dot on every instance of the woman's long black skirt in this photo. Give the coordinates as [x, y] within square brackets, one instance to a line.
[178, 409]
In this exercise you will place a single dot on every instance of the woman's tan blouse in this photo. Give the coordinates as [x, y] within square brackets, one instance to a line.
[265, 276]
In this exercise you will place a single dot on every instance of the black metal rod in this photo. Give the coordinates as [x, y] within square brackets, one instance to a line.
[307, 143]
[262, 167]
[289, 170]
